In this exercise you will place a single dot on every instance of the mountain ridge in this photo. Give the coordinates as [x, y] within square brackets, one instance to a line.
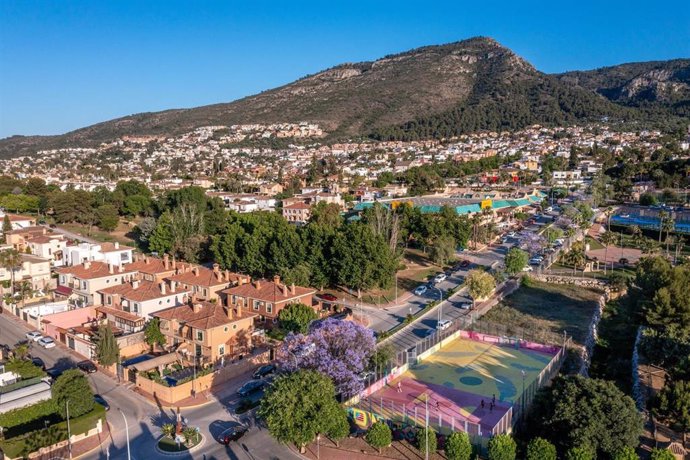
[467, 85]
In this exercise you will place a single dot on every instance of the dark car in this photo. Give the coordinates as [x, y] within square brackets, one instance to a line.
[465, 263]
[328, 297]
[251, 387]
[38, 362]
[233, 434]
[54, 373]
[87, 366]
[100, 400]
[263, 371]
[623, 261]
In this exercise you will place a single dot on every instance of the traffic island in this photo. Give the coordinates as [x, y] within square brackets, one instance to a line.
[180, 446]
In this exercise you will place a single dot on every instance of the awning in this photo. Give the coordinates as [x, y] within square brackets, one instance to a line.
[63, 290]
[155, 362]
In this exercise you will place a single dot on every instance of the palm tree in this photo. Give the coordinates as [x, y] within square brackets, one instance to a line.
[637, 237]
[190, 434]
[25, 291]
[11, 260]
[576, 256]
[668, 225]
[168, 430]
[608, 212]
[607, 239]
[663, 217]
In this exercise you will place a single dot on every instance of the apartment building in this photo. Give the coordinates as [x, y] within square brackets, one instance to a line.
[82, 282]
[297, 213]
[143, 298]
[204, 283]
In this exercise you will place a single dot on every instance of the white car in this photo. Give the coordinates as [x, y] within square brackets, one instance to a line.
[512, 234]
[443, 324]
[420, 290]
[527, 268]
[34, 335]
[466, 306]
[47, 342]
[440, 277]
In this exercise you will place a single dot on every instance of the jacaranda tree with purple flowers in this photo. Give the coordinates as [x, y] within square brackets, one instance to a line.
[339, 349]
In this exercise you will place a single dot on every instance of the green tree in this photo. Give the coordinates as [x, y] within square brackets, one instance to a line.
[662, 454]
[190, 435]
[161, 239]
[552, 234]
[607, 239]
[379, 436]
[540, 449]
[480, 284]
[576, 256]
[106, 217]
[590, 413]
[72, 386]
[647, 199]
[442, 250]
[339, 428]
[296, 318]
[381, 358]
[107, 351]
[674, 404]
[579, 453]
[11, 260]
[502, 447]
[153, 335]
[516, 259]
[299, 406]
[626, 453]
[458, 446]
[6, 224]
[424, 436]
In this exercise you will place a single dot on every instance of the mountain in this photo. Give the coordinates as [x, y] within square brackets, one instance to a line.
[433, 91]
[656, 84]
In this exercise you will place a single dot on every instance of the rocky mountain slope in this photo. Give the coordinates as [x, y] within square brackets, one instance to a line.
[433, 91]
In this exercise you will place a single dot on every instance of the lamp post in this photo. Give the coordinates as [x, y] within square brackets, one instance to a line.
[523, 392]
[126, 432]
[69, 432]
[194, 376]
[426, 429]
[440, 303]
[318, 444]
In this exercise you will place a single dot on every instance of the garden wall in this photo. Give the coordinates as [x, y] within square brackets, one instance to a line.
[172, 395]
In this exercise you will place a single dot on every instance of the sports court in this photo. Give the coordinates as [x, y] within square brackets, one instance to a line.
[458, 377]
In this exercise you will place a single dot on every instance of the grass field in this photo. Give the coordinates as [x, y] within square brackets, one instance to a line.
[545, 310]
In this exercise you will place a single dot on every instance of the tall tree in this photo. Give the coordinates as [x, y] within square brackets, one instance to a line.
[72, 386]
[296, 318]
[11, 260]
[107, 350]
[153, 335]
[480, 284]
[516, 259]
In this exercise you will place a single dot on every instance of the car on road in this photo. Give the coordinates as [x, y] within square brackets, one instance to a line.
[328, 297]
[251, 387]
[87, 366]
[420, 290]
[100, 400]
[443, 324]
[263, 371]
[535, 261]
[440, 278]
[38, 362]
[46, 342]
[54, 373]
[232, 434]
[623, 261]
[34, 335]
[465, 263]
[466, 306]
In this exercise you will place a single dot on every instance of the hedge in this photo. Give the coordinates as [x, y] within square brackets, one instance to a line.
[26, 415]
[20, 384]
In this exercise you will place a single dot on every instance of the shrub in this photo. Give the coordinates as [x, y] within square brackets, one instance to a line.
[626, 453]
[540, 449]
[73, 386]
[26, 415]
[579, 453]
[458, 446]
[662, 454]
[426, 435]
[379, 436]
[502, 447]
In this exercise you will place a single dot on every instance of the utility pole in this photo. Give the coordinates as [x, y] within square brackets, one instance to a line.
[426, 429]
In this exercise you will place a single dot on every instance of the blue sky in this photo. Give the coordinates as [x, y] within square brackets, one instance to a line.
[68, 64]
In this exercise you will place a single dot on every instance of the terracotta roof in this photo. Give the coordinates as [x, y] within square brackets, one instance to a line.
[119, 314]
[42, 239]
[146, 290]
[152, 266]
[28, 230]
[95, 270]
[209, 316]
[297, 206]
[268, 291]
[19, 218]
[207, 277]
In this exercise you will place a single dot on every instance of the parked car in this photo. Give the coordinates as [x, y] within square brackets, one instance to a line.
[365, 375]
[46, 342]
[34, 335]
[54, 373]
[535, 261]
[100, 400]
[233, 434]
[466, 306]
[87, 366]
[443, 324]
[465, 263]
[623, 261]
[420, 290]
[527, 268]
[38, 362]
[512, 234]
[263, 371]
[328, 297]
[251, 387]
[440, 277]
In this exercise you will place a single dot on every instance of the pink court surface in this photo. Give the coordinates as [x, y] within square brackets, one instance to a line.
[456, 379]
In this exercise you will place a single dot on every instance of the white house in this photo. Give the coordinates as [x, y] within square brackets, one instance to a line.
[108, 253]
[143, 298]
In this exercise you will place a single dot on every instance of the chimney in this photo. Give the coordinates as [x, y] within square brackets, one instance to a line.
[216, 268]
[257, 283]
[173, 285]
[174, 263]
[228, 310]
[227, 275]
[284, 289]
[292, 289]
[87, 264]
[146, 260]
[166, 261]
[117, 245]
[196, 307]
[195, 270]
[163, 290]
[241, 280]
[276, 280]
[111, 269]
[117, 301]
[120, 268]
[135, 284]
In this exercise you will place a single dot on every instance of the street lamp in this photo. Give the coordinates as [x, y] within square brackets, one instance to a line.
[440, 303]
[318, 448]
[126, 432]
[69, 432]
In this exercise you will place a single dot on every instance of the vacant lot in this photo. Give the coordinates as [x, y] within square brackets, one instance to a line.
[542, 311]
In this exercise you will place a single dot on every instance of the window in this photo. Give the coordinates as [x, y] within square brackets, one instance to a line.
[225, 329]
[136, 308]
[256, 305]
[109, 300]
[221, 349]
[269, 308]
[83, 285]
[200, 335]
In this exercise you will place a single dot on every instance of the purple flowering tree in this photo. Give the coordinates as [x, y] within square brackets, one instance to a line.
[534, 242]
[564, 222]
[339, 349]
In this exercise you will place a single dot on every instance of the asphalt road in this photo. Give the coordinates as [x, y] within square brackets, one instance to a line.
[144, 418]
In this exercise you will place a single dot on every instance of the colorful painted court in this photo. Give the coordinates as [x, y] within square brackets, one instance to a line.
[472, 384]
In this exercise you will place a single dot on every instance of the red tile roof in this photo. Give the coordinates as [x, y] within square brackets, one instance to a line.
[207, 277]
[145, 290]
[269, 291]
[95, 270]
[120, 314]
[210, 315]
